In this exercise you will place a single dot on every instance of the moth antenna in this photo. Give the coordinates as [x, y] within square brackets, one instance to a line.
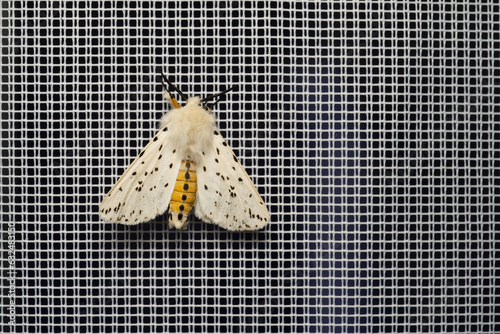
[219, 94]
[173, 87]
[173, 101]
[215, 103]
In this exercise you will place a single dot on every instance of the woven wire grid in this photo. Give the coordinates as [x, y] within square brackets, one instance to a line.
[371, 130]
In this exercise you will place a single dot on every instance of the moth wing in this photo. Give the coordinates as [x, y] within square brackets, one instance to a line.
[226, 195]
[143, 191]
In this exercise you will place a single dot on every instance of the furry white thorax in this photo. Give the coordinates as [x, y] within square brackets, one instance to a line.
[191, 129]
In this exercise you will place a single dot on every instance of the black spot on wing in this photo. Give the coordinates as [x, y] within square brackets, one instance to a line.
[217, 160]
[171, 165]
[142, 153]
[235, 159]
[217, 150]
[155, 138]
[224, 143]
[134, 173]
[216, 133]
[165, 129]
[204, 168]
[159, 157]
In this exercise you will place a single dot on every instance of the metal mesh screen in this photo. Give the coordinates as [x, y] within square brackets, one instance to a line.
[371, 130]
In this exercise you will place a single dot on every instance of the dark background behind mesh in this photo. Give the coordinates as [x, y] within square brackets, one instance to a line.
[371, 130]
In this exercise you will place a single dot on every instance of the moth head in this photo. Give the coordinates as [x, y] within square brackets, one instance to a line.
[204, 103]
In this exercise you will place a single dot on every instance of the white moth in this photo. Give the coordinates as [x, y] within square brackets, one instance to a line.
[187, 164]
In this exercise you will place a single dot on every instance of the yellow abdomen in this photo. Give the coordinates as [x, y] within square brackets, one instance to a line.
[183, 196]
